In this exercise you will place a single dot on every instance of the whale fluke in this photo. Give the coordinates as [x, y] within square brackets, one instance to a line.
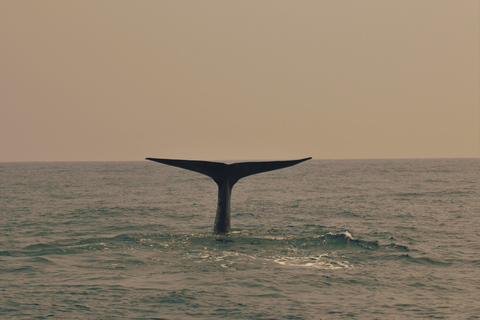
[226, 175]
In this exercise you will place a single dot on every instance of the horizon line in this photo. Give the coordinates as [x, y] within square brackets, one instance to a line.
[259, 159]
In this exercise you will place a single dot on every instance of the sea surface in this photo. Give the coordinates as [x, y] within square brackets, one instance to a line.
[325, 239]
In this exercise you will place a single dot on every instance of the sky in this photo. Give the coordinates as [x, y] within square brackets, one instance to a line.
[123, 80]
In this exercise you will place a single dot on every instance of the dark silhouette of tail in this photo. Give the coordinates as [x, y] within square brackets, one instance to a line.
[226, 175]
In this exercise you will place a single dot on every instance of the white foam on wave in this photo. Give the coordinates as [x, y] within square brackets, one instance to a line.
[319, 262]
[346, 234]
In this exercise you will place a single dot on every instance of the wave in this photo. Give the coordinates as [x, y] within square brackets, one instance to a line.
[345, 238]
[238, 239]
[238, 250]
[422, 260]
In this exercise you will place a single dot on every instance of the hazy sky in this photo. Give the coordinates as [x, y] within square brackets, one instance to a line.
[223, 80]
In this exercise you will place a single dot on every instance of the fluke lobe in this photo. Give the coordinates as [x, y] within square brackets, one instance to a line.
[226, 175]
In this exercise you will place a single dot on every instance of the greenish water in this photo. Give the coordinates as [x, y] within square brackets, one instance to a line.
[359, 239]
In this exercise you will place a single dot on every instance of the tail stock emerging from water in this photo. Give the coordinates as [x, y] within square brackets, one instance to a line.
[226, 175]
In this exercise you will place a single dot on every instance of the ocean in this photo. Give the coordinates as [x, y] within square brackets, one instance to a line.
[326, 239]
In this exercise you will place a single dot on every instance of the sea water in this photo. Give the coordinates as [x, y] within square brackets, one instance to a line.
[336, 239]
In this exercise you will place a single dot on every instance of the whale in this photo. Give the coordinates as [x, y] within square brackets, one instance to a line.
[226, 175]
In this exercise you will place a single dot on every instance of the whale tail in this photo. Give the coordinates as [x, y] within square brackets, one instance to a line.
[226, 175]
